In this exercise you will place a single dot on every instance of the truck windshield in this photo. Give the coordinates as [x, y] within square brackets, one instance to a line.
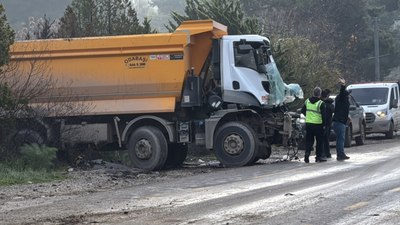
[370, 96]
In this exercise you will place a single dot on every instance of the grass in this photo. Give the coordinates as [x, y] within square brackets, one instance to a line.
[12, 173]
[34, 165]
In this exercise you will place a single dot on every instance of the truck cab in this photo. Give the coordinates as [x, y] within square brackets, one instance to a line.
[381, 105]
[250, 75]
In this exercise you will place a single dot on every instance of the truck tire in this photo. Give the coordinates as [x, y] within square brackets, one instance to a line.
[148, 148]
[236, 144]
[28, 136]
[360, 140]
[390, 133]
[348, 137]
[177, 153]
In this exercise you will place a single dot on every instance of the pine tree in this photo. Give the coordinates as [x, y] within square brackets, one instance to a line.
[101, 18]
[44, 28]
[229, 12]
[69, 25]
[6, 37]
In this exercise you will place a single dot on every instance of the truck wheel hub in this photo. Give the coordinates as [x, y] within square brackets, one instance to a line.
[143, 149]
[233, 144]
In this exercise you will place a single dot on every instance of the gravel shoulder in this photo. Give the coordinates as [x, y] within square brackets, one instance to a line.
[103, 176]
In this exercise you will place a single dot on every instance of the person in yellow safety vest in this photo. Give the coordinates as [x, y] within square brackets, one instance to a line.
[314, 110]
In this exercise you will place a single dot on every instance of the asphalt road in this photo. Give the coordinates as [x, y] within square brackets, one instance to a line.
[362, 190]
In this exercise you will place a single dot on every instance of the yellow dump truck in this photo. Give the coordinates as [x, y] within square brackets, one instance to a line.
[157, 93]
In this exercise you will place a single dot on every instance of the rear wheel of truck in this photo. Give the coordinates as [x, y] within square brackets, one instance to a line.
[236, 144]
[360, 140]
[390, 133]
[177, 153]
[148, 148]
[27, 136]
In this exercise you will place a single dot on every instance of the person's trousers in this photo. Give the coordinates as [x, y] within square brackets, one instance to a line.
[327, 133]
[340, 131]
[314, 131]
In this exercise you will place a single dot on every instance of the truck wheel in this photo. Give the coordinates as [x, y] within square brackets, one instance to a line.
[236, 144]
[148, 148]
[390, 133]
[265, 151]
[28, 136]
[360, 140]
[348, 137]
[177, 153]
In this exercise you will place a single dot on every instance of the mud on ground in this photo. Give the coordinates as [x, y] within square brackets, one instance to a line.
[101, 176]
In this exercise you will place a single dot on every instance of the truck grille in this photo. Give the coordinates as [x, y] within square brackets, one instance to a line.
[369, 117]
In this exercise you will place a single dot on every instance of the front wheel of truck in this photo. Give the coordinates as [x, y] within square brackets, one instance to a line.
[236, 144]
[148, 148]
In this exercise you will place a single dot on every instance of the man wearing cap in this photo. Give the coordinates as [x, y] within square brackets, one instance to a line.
[340, 119]
[314, 110]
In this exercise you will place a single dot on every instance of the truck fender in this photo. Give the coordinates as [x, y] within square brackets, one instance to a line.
[218, 119]
[165, 125]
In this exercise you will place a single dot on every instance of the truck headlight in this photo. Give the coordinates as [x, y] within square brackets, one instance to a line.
[381, 114]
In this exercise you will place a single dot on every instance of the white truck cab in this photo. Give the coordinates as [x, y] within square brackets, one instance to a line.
[381, 105]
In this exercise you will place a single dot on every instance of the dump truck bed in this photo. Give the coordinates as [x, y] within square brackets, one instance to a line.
[121, 74]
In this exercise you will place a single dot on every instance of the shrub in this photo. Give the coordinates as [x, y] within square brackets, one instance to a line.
[38, 157]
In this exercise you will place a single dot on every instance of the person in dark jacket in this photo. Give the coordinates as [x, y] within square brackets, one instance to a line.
[340, 119]
[314, 110]
[329, 109]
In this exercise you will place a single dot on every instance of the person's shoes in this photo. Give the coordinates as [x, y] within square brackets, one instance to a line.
[329, 156]
[341, 158]
[320, 160]
[306, 159]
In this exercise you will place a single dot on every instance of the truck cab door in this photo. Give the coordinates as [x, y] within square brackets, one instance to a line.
[242, 80]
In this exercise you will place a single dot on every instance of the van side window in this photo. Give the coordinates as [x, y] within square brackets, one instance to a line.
[396, 92]
[392, 96]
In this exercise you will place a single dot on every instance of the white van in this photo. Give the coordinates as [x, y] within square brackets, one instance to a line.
[381, 106]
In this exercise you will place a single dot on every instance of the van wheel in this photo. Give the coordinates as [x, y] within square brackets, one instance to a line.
[348, 137]
[236, 144]
[390, 133]
[148, 148]
[360, 140]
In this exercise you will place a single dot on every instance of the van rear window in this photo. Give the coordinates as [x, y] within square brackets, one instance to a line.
[370, 96]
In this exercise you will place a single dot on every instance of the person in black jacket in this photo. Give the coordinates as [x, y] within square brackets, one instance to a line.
[314, 110]
[329, 109]
[340, 119]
